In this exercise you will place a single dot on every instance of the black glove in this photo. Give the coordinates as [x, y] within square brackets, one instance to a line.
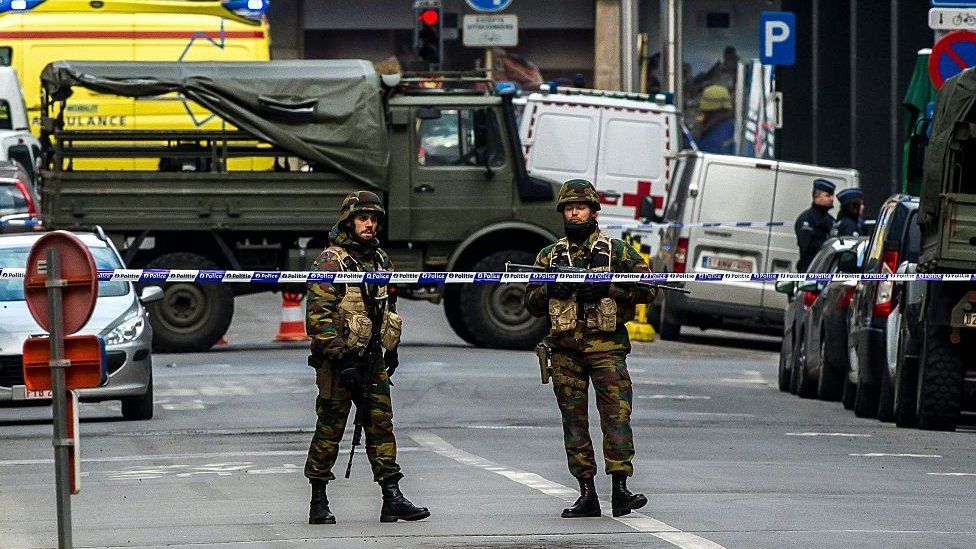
[350, 380]
[559, 290]
[592, 292]
[392, 360]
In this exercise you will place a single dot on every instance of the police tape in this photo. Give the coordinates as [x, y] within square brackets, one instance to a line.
[343, 277]
[636, 226]
[28, 223]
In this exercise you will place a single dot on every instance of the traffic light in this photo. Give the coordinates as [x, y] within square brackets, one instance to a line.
[428, 40]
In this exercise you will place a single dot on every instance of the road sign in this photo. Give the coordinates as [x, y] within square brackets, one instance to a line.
[79, 280]
[86, 354]
[777, 38]
[486, 31]
[489, 6]
[953, 3]
[952, 18]
[951, 54]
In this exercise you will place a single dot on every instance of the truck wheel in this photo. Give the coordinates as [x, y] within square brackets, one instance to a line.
[452, 310]
[669, 328]
[494, 314]
[785, 354]
[190, 317]
[906, 381]
[830, 386]
[804, 387]
[139, 408]
[940, 382]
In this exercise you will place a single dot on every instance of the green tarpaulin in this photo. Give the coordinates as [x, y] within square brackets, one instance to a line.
[920, 93]
[326, 112]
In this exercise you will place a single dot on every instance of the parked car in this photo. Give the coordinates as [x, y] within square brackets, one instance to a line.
[717, 188]
[18, 199]
[119, 318]
[802, 297]
[823, 360]
[895, 240]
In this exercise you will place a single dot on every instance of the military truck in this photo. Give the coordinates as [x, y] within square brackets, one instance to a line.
[934, 374]
[442, 152]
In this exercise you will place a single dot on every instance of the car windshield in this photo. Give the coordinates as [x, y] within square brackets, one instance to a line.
[12, 289]
[12, 200]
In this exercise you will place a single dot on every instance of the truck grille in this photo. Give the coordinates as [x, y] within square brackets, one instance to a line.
[11, 371]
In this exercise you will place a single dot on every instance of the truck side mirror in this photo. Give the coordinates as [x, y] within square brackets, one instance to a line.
[428, 113]
[647, 210]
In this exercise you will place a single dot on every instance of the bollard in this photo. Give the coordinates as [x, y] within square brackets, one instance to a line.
[639, 328]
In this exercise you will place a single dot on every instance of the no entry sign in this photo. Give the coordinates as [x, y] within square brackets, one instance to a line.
[951, 54]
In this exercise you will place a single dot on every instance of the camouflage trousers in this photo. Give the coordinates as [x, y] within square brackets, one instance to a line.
[332, 412]
[571, 374]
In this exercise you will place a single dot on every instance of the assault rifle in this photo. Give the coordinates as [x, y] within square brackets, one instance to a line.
[518, 267]
[364, 364]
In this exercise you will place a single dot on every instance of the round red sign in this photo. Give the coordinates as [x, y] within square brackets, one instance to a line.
[80, 281]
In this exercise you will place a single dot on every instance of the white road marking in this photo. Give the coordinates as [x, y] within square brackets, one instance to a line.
[816, 434]
[636, 521]
[716, 414]
[880, 454]
[675, 397]
[180, 457]
[952, 474]
[505, 427]
[654, 382]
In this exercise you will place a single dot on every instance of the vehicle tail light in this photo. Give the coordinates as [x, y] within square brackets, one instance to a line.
[884, 293]
[31, 207]
[845, 300]
[808, 299]
[681, 255]
[971, 297]
[890, 260]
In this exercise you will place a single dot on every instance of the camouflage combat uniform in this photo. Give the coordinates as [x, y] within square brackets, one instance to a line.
[334, 402]
[587, 354]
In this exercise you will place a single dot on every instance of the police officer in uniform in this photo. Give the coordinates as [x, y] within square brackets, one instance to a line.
[340, 319]
[849, 218]
[589, 343]
[813, 226]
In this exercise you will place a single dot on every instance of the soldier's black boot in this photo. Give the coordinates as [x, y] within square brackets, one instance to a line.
[588, 504]
[396, 507]
[623, 501]
[318, 508]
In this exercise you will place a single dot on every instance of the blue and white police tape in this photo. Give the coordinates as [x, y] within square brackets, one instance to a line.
[16, 222]
[300, 277]
[636, 226]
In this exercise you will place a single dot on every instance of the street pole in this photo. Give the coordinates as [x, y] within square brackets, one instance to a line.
[628, 43]
[671, 49]
[61, 441]
[489, 64]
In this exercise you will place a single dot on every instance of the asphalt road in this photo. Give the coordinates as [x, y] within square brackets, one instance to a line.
[725, 458]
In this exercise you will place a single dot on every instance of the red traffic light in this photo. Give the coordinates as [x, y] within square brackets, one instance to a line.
[429, 17]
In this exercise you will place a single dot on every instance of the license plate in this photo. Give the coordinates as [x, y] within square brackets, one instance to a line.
[37, 395]
[727, 264]
[969, 319]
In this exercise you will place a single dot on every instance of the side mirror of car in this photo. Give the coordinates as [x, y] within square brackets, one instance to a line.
[787, 287]
[150, 294]
[647, 210]
[809, 286]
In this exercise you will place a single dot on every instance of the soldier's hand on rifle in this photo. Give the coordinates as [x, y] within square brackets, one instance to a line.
[350, 379]
[593, 291]
[392, 359]
[559, 290]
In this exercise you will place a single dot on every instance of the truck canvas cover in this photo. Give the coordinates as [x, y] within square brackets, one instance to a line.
[954, 124]
[328, 113]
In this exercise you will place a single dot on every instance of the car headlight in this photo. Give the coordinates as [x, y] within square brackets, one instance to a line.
[127, 330]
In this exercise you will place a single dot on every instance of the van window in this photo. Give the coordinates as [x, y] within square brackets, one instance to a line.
[6, 56]
[679, 187]
[6, 120]
[628, 149]
[465, 137]
[881, 230]
[570, 135]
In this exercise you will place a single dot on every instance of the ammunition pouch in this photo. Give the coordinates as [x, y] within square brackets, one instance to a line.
[358, 330]
[390, 330]
[604, 316]
[563, 314]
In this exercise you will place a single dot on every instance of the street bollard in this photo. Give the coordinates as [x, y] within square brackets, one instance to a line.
[639, 328]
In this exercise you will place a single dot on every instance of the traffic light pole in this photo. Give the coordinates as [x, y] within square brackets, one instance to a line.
[54, 284]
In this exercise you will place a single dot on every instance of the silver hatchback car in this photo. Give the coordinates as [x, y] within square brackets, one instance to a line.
[119, 318]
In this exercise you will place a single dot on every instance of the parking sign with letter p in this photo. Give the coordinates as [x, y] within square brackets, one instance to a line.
[777, 38]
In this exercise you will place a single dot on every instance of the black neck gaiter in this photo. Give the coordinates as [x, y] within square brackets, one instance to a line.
[577, 233]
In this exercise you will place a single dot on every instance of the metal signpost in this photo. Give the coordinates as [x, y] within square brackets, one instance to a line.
[489, 33]
[60, 286]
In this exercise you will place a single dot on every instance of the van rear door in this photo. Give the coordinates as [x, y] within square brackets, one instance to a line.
[560, 140]
[732, 190]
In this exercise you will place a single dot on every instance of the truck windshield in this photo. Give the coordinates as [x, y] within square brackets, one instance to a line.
[462, 137]
[12, 289]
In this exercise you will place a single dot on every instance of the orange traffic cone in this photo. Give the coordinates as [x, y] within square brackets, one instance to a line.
[292, 327]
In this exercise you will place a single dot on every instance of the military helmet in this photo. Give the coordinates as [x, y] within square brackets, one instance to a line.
[361, 201]
[577, 190]
[715, 98]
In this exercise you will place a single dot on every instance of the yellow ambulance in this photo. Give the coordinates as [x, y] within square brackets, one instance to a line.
[34, 33]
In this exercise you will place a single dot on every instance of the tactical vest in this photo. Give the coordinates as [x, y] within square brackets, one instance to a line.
[565, 314]
[356, 325]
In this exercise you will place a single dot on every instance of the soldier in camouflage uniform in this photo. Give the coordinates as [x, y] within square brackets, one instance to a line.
[589, 342]
[343, 361]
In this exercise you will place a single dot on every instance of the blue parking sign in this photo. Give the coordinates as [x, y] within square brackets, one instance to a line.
[777, 38]
[488, 6]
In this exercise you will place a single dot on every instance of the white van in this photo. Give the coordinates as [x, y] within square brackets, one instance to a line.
[17, 144]
[711, 188]
[625, 143]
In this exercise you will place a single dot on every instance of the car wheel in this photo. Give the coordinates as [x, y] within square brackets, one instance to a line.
[452, 310]
[139, 408]
[494, 314]
[804, 387]
[190, 317]
[848, 395]
[906, 381]
[785, 354]
[866, 399]
[886, 399]
[669, 326]
[830, 386]
[939, 382]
